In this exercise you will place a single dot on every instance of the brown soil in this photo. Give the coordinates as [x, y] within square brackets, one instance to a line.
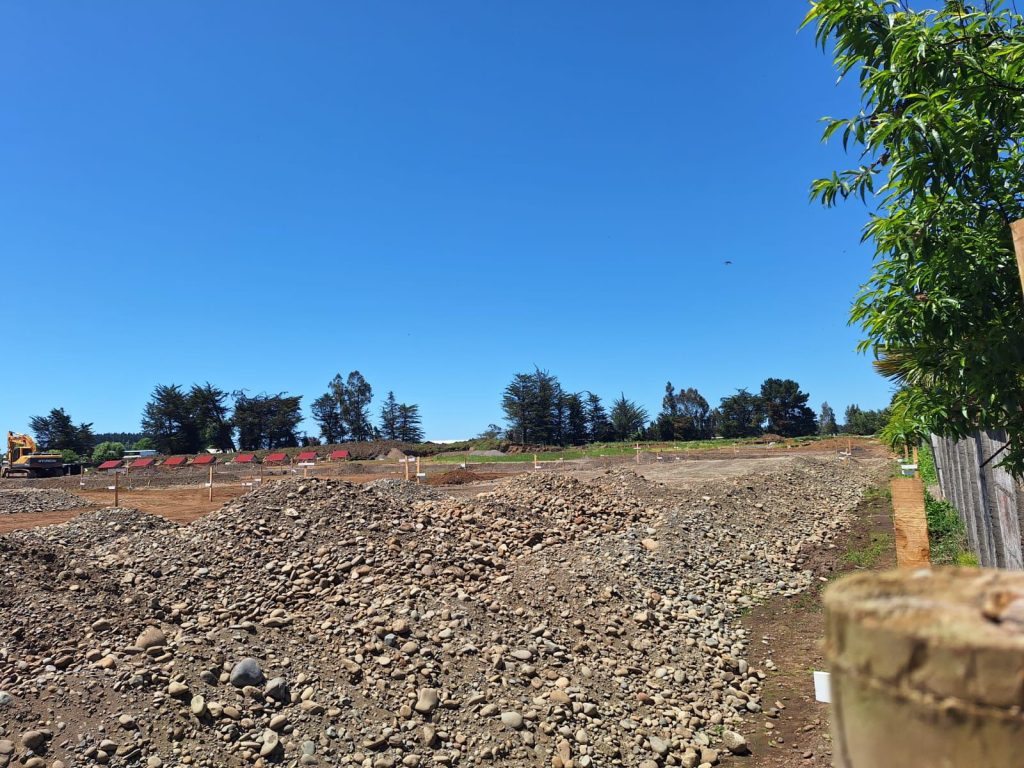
[789, 631]
[182, 505]
[461, 477]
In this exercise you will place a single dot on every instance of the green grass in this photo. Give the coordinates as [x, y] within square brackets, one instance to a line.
[871, 553]
[598, 450]
[947, 537]
[878, 493]
[926, 464]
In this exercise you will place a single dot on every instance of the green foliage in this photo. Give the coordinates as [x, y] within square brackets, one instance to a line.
[407, 424]
[941, 147]
[740, 415]
[389, 418]
[628, 419]
[872, 553]
[785, 408]
[354, 399]
[267, 421]
[947, 537]
[827, 421]
[926, 464]
[905, 427]
[70, 457]
[861, 422]
[685, 415]
[56, 432]
[107, 451]
[327, 414]
[177, 422]
[144, 444]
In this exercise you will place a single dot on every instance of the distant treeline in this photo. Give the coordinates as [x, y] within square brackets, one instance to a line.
[539, 411]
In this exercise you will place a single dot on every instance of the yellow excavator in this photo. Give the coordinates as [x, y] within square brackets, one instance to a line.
[23, 459]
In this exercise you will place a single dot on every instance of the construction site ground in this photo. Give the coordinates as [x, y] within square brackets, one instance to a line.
[781, 630]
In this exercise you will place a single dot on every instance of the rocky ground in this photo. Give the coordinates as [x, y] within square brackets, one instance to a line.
[548, 622]
[17, 500]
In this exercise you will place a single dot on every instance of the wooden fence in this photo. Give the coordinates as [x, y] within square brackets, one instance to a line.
[987, 497]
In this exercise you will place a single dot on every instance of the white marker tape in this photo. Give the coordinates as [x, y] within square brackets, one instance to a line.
[823, 687]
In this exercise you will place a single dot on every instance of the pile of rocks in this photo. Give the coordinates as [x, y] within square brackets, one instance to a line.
[20, 500]
[549, 622]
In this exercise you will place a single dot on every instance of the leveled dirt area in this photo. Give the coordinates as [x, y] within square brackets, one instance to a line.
[547, 621]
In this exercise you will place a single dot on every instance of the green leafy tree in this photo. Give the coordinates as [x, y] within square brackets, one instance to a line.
[827, 421]
[144, 444]
[857, 421]
[107, 451]
[785, 408]
[940, 152]
[57, 432]
[628, 419]
[326, 411]
[740, 415]
[354, 399]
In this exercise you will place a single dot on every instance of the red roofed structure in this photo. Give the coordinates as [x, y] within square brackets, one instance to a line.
[112, 464]
[275, 458]
[339, 454]
[142, 463]
[307, 456]
[245, 458]
[176, 461]
[205, 459]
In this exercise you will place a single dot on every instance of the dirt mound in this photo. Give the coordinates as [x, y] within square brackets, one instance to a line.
[18, 500]
[547, 622]
[455, 477]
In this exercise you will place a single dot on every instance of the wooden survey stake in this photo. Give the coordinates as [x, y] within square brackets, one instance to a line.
[211, 483]
[117, 487]
[1017, 228]
[910, 523]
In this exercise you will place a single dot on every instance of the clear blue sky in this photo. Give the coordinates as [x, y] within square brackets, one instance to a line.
[262, 194]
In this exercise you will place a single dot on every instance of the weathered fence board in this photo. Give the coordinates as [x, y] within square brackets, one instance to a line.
[989, 500]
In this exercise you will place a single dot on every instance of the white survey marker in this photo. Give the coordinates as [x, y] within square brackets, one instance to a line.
[823, 687]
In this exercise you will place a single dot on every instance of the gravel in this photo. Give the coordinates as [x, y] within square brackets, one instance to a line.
[21, 500]
[532, 625]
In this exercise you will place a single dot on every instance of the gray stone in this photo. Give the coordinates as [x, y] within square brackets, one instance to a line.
[33, 739]
[658, 746]
[512, 719]
[247, 672]
[277, 689]
[150, 638]
[735, 742]
[427, 701]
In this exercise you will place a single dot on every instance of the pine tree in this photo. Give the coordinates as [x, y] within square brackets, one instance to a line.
[827, 420]
[389, 418]
[408, 424]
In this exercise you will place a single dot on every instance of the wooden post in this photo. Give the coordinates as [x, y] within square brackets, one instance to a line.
[535, 464]
[638, 453]
[417, 469]
[910, 523]
[1017, 228]
[210, 497]
[117, 487]
[915, 455]
[406, 462]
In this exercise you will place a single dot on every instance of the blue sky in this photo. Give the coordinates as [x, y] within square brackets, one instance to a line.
[261, 194]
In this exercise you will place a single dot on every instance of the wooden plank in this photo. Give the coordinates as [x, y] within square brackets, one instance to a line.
[1018, 245]
[909, 522]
